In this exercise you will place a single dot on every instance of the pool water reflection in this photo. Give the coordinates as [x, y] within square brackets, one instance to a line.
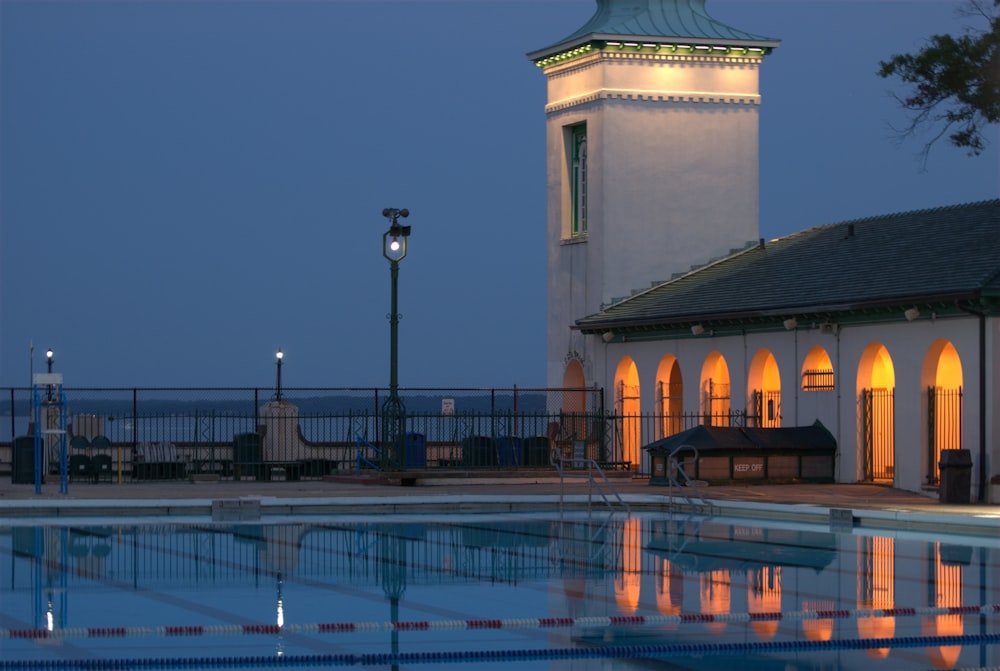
[562, 592]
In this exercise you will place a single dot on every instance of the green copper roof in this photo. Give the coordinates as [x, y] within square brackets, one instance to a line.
[938, 259]
[655, 20]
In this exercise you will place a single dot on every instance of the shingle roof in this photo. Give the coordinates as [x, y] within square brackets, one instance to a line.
[683, 19]
[941, 254]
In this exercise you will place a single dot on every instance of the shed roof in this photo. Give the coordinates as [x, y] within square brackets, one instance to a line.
[655, 19]
[942, 255]
[711, 438]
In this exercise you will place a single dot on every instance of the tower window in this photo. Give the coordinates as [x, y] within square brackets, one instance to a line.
[578, 179]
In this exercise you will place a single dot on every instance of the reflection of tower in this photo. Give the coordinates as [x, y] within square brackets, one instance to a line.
[392, 562]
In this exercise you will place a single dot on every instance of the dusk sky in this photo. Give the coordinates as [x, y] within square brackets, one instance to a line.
[186, 186]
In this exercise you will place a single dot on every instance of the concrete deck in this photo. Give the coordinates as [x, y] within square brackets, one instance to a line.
[857, 505]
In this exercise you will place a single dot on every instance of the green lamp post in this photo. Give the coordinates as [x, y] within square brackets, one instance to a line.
[393, 411]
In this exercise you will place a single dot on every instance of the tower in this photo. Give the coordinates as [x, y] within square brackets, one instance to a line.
[651, 157]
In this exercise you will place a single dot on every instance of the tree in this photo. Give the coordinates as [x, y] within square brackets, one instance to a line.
[955, 82]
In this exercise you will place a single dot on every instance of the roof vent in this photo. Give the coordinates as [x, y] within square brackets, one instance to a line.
[760, 243]
[850, 230]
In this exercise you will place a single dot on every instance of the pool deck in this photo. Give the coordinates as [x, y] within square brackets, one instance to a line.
[838, 505]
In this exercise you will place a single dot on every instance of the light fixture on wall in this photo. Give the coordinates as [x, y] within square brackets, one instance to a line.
[911, 314]
[697, 329]
[790, 323]
[608, 336]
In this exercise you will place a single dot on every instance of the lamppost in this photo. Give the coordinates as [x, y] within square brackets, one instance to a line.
[49, 356]
[393, 412]
[277, 387]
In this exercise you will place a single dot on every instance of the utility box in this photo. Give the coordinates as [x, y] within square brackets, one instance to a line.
[956, 476]
[22, 469]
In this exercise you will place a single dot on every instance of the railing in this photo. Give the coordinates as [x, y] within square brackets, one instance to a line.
[675, 468]
[364, 462]
[584, 467]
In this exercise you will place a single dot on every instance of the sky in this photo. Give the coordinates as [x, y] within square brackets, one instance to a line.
[188, 186]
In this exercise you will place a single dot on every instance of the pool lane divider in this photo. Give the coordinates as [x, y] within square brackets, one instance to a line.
[661, 650]
[512, 623]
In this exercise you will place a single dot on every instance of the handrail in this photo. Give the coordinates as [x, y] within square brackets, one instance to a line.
[362, 443]
[675, 467]
[557, 460]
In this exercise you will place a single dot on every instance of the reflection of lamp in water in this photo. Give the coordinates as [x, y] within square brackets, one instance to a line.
[393, 564]
[280, 648]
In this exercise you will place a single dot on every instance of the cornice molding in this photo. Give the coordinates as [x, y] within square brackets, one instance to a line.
[656, 97]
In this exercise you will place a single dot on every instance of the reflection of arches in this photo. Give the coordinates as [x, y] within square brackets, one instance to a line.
[670, 396]
[764, 389]
[669, 589]
[627, 582]
[627, 405]
[818, 628]
[942, 378]
[715, 595]
[764, 596]
[876, 588]
[817, 371]
[714, 384]
[876, 389]
[946, 582]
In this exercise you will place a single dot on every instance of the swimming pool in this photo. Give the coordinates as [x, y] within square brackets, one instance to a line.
[498, 591]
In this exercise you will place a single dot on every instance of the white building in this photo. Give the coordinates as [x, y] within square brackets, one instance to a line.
[883, 329]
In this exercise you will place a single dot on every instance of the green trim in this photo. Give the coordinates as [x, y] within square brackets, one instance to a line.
[692, 48]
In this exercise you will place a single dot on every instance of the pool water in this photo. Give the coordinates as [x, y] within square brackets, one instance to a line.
[497, 592]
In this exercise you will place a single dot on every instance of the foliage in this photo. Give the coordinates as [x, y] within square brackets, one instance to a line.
[955, 82]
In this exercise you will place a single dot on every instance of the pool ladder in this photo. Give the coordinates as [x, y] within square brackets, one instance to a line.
[678, 477]
[582, 467]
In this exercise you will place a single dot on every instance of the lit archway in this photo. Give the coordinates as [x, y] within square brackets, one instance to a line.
[941, 378]
[876, 387]
[764, 390]
[817, 371]
[715, 399]
[628, 410]
[574, 400]
[669, 396]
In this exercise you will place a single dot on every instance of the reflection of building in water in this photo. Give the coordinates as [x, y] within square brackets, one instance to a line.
[629, 575]
[944, 586]
[669, 589]
[764, 596]
[716, 597]
[876, 589]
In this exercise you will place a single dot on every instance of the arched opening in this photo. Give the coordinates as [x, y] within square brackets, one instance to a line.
[715, 399]
[629, 424]
[764, 390]
[876, 387]
[574, 400]
[941, 377]
[669, 396]
[817, 371]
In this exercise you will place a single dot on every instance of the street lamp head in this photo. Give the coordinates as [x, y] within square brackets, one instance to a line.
[279, 355]
[394, 240]
[49, 354]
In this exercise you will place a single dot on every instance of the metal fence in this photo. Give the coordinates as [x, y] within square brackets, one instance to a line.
[250, 432]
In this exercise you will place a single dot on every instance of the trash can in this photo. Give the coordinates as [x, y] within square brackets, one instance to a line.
[956, 476]
[22, 468]
[416, 450]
